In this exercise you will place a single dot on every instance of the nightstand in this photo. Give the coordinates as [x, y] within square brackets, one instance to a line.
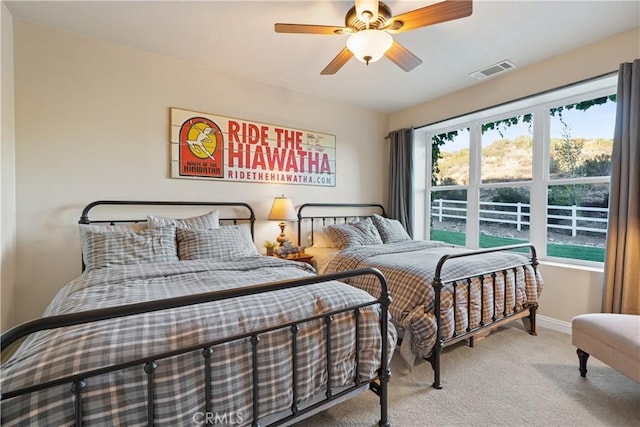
[300, 258]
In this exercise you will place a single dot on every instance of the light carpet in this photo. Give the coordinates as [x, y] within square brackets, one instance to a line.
[509, 378]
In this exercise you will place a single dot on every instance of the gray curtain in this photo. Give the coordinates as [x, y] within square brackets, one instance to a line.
[400, 178]
[622, 263]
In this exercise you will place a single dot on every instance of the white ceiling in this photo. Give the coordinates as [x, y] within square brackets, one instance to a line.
[237, 37]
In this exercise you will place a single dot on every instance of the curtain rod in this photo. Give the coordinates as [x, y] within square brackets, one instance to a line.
[387, 137]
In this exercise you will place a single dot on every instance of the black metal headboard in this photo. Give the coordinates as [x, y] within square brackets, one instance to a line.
[249, 216]
[335, 213]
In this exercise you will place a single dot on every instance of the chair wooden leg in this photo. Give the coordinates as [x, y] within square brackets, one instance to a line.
[583, 356]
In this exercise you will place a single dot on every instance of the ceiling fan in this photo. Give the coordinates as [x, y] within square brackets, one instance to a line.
[369, 24]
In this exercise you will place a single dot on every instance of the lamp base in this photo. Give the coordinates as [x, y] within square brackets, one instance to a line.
[282, 238]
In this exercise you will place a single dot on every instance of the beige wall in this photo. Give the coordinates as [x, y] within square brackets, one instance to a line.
[568, 291]
[593, 60]
[92, 123]
[7, 174]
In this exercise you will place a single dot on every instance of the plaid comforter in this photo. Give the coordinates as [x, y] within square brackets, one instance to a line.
[409, 268]
[119, 398]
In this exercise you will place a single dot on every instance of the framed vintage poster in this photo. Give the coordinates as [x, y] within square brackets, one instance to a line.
[207, 146]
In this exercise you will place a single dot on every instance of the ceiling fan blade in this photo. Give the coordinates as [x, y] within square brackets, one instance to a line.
[310, 29]
[401, 56]
[447, 10]
[337, 62]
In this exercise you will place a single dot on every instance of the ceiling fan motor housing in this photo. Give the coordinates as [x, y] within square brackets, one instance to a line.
[353, 21]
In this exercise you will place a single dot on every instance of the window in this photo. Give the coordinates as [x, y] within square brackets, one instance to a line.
[581, 142]
[506, 172]
[450, 155]
[536, 170]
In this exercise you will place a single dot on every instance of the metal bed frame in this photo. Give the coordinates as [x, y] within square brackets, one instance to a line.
[327, 220]
[528, 312]
[247, 217]
[78, 382]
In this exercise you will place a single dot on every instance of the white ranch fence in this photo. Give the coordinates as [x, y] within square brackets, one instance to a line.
[566, 217]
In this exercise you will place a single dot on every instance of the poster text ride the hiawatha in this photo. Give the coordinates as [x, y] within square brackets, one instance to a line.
[206, 146]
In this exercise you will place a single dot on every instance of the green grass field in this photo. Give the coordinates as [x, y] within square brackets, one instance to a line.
[561, 251]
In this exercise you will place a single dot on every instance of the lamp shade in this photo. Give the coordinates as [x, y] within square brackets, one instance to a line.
[369, 45]
[282, 210]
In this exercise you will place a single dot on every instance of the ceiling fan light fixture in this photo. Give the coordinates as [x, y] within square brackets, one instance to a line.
[369, 45]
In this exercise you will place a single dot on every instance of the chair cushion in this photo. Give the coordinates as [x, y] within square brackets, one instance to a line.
[611, 338]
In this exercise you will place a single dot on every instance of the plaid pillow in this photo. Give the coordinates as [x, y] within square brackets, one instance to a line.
[391, 230]
[343, 235]
[206, 221]
[108, 247]
[369, 232]
[223, 243]
[359, 233]
[104, 228]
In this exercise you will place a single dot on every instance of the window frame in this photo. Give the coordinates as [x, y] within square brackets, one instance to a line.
[538, 105]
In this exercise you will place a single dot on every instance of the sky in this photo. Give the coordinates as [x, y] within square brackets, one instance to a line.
[596, 122]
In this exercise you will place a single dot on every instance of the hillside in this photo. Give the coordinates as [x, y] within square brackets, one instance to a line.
[511, 160]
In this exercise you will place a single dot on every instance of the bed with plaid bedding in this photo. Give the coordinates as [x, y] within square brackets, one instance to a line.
[410, 268]
[118, 398]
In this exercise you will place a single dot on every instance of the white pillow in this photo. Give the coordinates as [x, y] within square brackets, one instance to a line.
[321, 238]
[207, 221]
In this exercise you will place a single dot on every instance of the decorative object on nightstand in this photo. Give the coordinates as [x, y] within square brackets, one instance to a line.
[282, 210]
[269, 246]
[287, 250]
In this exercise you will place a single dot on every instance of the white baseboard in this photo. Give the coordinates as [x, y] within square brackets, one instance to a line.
[554, 324]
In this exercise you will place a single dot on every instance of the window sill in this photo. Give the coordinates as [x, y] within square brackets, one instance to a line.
[597, 267]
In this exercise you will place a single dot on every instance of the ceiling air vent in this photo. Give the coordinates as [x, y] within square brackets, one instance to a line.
[494, 69]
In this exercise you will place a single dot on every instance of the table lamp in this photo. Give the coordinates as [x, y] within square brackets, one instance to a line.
[282, 210]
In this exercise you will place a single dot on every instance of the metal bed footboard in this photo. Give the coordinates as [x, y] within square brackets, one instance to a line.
[78, 382]
[362, 210]
[529, 310]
